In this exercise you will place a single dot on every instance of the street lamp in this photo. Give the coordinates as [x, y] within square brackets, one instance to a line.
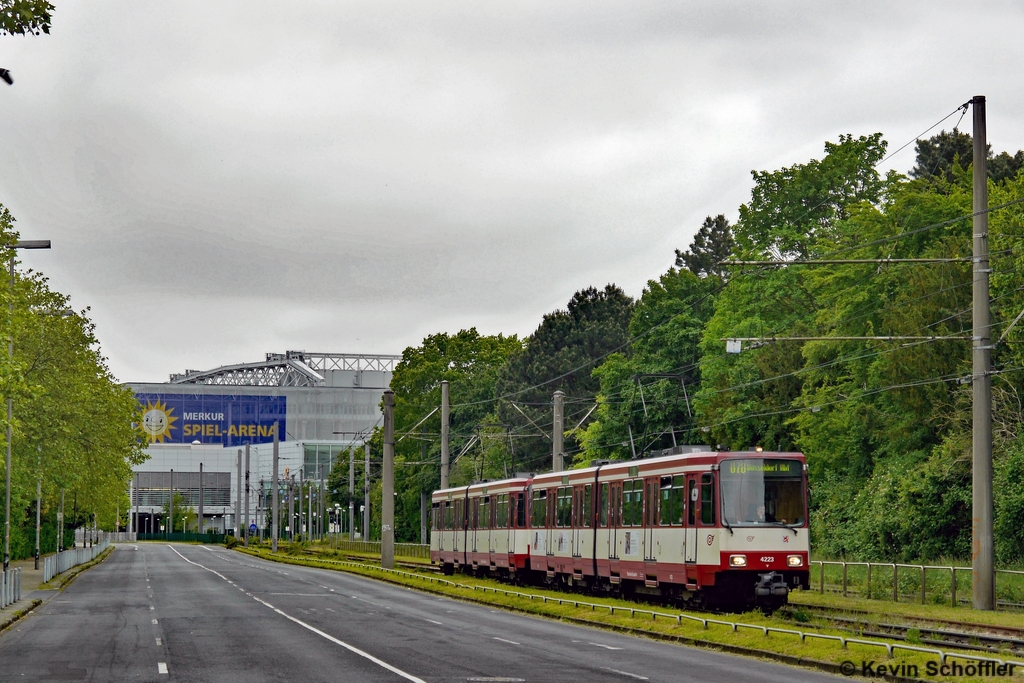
[27, 244]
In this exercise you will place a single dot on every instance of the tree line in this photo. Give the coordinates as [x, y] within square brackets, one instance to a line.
[73, 423]
[885, 425]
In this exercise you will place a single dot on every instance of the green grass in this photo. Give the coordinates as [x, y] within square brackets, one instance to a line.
[627, 617]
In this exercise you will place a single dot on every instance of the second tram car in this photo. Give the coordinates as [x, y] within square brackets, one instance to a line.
[706, 528]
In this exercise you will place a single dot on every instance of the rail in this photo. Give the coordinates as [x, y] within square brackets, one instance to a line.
[66, 559]
[10, 587]
[901, 583]
[706, 622]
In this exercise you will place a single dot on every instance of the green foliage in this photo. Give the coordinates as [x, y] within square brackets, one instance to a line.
[644, 398]
[185, 517]
[561, 355]
[712, 244]
[20, 17]
[73, 422]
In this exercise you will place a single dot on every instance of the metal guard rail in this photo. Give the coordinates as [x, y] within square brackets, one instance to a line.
[66, 559]
[890, 648]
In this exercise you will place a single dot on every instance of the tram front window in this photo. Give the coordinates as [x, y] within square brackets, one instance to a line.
[762, 492]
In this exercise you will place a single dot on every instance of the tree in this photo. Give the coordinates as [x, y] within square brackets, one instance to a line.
[645, 396]
[20, 17]
[184, 518]
[937, 155]
[712, 244]
[561, 355]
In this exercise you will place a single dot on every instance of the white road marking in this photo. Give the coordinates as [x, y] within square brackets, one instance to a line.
[157, 641]
[161, 668]
[626, 673]
[151, 607]
[154, 621]
[350, 648]
[510, 642]
[435, 622]
[607, 647]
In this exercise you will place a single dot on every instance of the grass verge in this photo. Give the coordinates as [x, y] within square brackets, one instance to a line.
[787, 648]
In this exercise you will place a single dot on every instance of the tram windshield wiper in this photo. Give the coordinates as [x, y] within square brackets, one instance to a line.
[783, 524]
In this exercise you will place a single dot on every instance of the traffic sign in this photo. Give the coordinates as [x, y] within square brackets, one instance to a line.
[252, 528]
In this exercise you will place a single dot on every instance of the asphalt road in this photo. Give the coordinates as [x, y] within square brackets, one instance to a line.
[195, 613]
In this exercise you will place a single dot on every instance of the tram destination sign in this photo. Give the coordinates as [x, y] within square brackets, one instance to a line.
[228, 420]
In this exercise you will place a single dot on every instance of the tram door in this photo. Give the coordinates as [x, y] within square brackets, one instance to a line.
[651, 497]
[692, 505]
[614, 520]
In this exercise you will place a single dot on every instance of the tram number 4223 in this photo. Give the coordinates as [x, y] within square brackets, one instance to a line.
[767, 558]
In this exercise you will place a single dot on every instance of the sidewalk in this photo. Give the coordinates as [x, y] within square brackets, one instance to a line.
[31, 580]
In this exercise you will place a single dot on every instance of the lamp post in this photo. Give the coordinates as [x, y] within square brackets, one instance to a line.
[27, 244]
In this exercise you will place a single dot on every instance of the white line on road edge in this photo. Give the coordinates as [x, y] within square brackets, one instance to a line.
[510, 642]
[626, 673]
[607, 647]
[161, 668]
[350, 648]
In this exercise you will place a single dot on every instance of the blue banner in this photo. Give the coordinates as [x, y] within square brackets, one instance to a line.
[207, 418]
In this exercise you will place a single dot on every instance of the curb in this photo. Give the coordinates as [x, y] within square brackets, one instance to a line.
[18, 616]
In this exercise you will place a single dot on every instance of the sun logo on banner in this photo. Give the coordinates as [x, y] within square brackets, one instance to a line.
[157, 421]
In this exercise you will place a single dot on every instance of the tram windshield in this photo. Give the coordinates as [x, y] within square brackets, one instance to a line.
[762, 492]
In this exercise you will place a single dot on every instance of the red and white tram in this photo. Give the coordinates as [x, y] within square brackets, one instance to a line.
[704, 528]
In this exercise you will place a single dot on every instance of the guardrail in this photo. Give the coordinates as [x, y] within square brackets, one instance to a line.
[66, 559]
[401, 549]
[897, 583]
[10, 587]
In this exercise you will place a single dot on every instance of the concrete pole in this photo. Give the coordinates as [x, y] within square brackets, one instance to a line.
[423, 517]
[60, 522]
[366, 491]
[445, 410]
[352, 493]
[983, 569]
[557, 433]
[291, 508]
[39, 497]
[387, 506]
[238, 495]
[170, 507]
[199, 522]
[323, 504]
[302, 486]
[245, 515]
[276, 519]
[135, 525]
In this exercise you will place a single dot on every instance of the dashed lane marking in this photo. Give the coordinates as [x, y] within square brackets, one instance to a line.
[158, 641]
[435, 622]
[154, 621]
[510, 642]
[607, 647]
[351, 648]
[161, 668]
[626, 673]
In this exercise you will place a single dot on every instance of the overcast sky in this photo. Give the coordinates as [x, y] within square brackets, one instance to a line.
[223, 179]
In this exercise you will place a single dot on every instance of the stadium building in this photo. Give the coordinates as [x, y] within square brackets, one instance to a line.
[320, 404]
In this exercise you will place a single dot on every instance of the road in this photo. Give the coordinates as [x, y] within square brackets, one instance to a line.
[197, 613]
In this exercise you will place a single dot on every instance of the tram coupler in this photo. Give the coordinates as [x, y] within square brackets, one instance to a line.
[771, 584]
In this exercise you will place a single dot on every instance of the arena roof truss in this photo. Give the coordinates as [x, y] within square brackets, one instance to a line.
[289, 369]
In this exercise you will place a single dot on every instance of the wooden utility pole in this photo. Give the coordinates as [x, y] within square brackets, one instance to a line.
[387, 506]
[983, 570]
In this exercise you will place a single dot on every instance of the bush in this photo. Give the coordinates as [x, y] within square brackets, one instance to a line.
[230, 541]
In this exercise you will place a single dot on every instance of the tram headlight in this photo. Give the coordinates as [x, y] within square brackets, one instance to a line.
[795, 560]
[737, 560]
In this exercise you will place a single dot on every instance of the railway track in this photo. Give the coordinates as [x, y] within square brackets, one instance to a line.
[961, 634]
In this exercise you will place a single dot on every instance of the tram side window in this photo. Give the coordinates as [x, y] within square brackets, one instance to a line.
[564, 513]
[633, 502]
[485, 513]
[501, 511]
[447, 514]
[616, 508]
[434, 507]
[652, 503]
[691, 502]
[586, 514]
[673, 500]
[539, 508]
[602, 506]
[474, 514]
[707, 500]
[521, 510]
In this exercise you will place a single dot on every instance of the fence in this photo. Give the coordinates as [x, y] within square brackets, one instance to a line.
[401, 549]
[66, 559]
[888, 580]
[10, 587]
[187, 537]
